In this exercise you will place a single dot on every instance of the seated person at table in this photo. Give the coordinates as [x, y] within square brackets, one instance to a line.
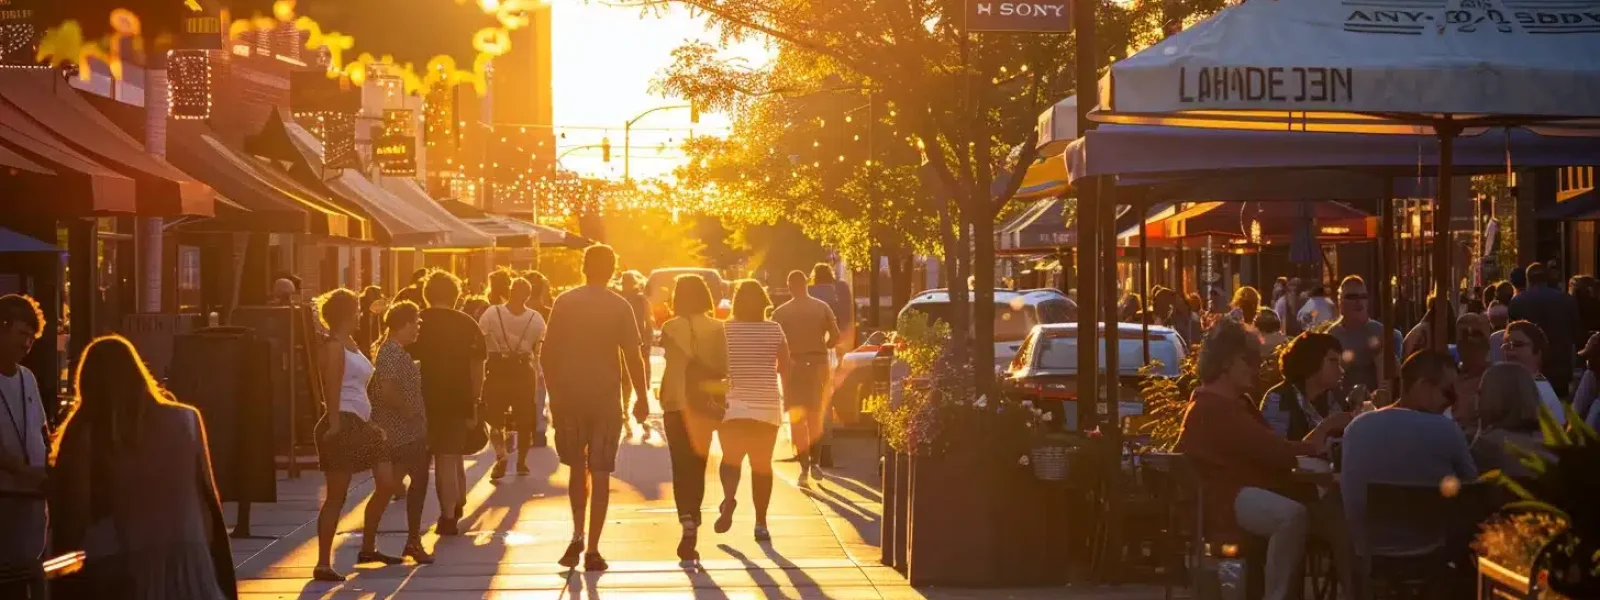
[1312, 367]
[1409, 442]
[1508, 415]
[1246, 468]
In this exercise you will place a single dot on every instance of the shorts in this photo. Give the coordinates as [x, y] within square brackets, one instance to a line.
[589, 441]
[355, 448]
[510, 388]
[806, 382]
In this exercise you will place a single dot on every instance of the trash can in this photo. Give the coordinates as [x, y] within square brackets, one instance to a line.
[225, 373]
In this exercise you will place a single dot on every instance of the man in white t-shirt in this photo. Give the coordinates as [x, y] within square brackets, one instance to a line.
[512, 333]
[23, 451]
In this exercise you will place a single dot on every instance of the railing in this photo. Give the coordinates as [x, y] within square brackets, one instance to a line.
[1574, 182]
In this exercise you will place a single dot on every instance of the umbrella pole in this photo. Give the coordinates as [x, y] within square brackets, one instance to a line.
[1140, 208]
[1447, 131]
[1387, 266]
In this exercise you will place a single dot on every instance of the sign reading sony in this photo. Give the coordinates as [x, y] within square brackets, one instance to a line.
[1028, 16]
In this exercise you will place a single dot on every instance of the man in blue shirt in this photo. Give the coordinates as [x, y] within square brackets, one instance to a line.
[1411, 442]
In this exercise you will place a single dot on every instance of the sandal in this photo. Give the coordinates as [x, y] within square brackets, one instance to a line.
[762, 535]
[326, 573]
[416, 552]
[725, 516]
[374, 556]
[569, 559]
[593, 562]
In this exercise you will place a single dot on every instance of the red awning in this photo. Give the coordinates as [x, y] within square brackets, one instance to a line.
[1231, 222]
[48, 100]
[80, 187]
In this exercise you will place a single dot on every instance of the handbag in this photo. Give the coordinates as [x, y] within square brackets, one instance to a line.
[703, 385]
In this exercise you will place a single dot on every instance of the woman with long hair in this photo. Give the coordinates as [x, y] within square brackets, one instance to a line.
[133, 486]
[398, 410]
[758, 354]
[347, 440]
[1246, 301]
[688, 406]
[1508, 415]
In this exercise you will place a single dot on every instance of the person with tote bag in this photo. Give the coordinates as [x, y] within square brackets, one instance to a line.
[692, 399]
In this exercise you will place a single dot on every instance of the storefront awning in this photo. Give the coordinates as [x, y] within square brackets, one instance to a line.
[80, 187]
[510, 232]
[192, 147]
[400, 224]
[1234, 222]
[48, 100]
[457, 233]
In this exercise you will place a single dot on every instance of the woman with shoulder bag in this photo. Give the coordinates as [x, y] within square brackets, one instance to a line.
[134, 489]
[692, 398]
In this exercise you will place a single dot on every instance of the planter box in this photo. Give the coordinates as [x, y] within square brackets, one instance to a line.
[893, 523]
[1499, 583]
[951, 538]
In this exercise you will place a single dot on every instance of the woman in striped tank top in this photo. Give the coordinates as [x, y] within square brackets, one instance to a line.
[757, 355]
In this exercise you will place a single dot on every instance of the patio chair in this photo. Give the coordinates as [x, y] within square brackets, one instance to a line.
[1417, 539]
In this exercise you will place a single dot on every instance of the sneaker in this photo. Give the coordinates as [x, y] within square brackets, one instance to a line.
[569, 559]
[499, 469]
[687, 554]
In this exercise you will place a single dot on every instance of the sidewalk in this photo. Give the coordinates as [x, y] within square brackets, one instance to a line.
[824, 541]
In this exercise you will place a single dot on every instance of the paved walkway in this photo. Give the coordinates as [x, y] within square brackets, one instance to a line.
[825, 540]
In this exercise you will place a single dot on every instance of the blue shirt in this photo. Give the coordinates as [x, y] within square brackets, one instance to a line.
[1398, 445]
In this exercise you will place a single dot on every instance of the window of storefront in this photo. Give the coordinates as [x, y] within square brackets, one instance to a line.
[189, 298]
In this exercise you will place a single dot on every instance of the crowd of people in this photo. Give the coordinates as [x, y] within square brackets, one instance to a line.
[1443, 418]
[410, 386]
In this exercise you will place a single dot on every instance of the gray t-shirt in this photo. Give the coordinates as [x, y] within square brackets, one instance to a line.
[590, 326]
[1361, 351]
[1398, 445]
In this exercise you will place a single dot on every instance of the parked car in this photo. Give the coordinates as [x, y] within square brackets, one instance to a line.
[1015, 314]
[853, 380]
[1045, 370]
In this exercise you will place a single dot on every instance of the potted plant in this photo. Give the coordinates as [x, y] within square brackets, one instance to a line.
[1563, 486]
[1507, 548]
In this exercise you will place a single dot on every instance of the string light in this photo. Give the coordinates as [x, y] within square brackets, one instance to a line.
[337, 133]
[19, 41]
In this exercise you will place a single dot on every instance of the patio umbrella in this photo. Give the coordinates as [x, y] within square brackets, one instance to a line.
[1404, 66]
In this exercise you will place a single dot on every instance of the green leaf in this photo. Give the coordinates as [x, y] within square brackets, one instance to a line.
[1554, 434]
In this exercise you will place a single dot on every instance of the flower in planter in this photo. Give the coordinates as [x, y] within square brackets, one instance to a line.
[1024, 460]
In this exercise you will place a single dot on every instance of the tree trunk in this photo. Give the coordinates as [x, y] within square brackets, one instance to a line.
[955, 256]
[906, 284]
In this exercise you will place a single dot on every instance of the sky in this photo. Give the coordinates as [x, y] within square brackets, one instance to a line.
[605, 59]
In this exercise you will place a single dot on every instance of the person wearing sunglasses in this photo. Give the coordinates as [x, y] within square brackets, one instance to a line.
[1525, 344]
[1410, 442]
[1361, 336]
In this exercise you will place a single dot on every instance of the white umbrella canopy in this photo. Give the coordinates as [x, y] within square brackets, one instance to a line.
[1375, 66]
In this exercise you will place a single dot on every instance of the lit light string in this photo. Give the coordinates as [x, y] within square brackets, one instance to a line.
[336, 131]
[65, 44]
[19, 39]
[189, 87]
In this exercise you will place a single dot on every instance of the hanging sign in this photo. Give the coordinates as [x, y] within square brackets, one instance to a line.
[19, 36]
[202, 32]
[396, 155]
[1019, 16]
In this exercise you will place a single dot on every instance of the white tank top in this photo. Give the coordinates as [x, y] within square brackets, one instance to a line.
[353, 388]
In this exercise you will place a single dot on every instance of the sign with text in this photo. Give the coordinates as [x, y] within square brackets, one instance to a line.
[1019, 16]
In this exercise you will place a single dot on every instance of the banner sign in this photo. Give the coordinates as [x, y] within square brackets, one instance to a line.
[1019, 16]
[396, 155]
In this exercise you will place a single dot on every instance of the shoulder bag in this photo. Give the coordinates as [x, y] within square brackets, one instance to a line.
[704, 386]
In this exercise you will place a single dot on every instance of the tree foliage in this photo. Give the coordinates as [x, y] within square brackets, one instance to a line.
[954, 105]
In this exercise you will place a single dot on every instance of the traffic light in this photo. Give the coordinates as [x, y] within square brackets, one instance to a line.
[694, 113]
[605, 149]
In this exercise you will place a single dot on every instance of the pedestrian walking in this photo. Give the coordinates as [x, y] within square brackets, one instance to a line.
[1556, 314]
[398, 409]
[827, 287]
[809, 326]
[24, 452]
[450, 351]
[348, 442]
[540, 300]
[693, 398]
[590, 328]
[512, 333]
[133, 487]
[631, 287]
[758, 355]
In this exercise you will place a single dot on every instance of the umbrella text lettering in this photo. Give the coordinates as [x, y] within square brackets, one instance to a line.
[1265, 84]
[1023, 9]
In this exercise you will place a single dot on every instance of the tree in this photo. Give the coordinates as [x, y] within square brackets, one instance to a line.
[965, 100]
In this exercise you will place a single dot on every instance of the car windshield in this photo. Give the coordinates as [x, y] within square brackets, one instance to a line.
[1010, 324]
[1061, 353]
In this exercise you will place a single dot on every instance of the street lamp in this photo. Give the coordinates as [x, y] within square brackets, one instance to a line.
[627, 134]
